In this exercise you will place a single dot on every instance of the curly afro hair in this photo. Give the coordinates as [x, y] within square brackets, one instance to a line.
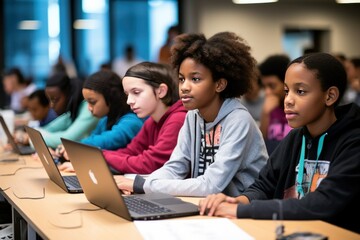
[225, 54]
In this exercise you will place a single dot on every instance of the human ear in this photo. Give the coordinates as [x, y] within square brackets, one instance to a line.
[221, 84]
[332, 95]
[162, 90]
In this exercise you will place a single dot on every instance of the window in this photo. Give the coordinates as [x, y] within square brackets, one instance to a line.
[86, 33]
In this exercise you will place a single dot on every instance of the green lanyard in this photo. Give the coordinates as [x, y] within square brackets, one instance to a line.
[300, 175]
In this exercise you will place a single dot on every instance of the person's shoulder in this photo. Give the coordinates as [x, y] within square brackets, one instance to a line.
[30, 88]
[103, 120]
[176, 115]
[83, 108]
[177, 107]
[237, 111]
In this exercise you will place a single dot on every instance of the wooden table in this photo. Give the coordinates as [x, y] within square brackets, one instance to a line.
[44, 214]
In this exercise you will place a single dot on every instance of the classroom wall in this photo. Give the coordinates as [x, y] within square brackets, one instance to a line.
[262, 25]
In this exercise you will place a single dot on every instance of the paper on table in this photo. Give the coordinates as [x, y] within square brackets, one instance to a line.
[207, 229]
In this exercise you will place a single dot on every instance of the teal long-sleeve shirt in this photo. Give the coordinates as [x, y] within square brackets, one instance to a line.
[64, 127]
[118, 136]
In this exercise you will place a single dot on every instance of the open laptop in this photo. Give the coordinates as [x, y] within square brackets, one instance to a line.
[17, 148]
[69, 183]
[100, 188]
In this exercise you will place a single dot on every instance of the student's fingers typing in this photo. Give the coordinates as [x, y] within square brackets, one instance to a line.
[126, 192]
[26, 139]
[35, 156]
[208, 205]
[226, 209]
[65, 156]
[124, 184]
[66, 167]
[52, 151]
[231, 200]
[59, 151]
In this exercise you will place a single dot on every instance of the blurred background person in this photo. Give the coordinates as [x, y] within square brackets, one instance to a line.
[122, 64]
[40, 114]
[65, 66]
[117, 125]
[18, 88]
[350, 92]
[105, 66]
[74, 120]
[254, 99]
[164, 53]
[39, 108]
[273, 123]
[355, 83]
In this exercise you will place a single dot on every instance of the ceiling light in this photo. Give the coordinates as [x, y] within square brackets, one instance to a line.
[253, 1]
[86, 24]
[29, 25]
[348, 1]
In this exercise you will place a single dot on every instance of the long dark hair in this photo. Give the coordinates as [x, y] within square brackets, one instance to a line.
[71, 89]
[108, 84]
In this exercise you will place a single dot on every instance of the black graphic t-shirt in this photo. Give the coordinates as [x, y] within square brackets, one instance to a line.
[208, 148]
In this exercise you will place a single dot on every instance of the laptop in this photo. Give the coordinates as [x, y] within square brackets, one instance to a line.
[101, 190]
[17, 148]
[69, 183]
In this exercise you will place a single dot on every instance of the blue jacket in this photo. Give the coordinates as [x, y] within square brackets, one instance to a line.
[63, 126]
[118, 136]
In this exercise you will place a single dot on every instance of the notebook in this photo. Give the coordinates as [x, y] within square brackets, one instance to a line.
[69, 183]
[17, 148]
[100, 188]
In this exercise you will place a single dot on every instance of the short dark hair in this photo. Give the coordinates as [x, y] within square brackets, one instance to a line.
[225, 54]
[154, 74]
[275, 65]
[108, 84]
[329, 70]
[71, 88]
[40, 94]
[17, 72]
[355, 62]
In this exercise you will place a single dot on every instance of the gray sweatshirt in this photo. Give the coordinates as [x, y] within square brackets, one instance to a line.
[240, 155]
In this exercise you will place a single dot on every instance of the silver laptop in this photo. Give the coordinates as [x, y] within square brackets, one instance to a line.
[69, 183]
[100, 189]
[17, 148]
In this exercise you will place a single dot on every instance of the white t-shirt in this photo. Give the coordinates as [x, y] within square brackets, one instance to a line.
[17, 96]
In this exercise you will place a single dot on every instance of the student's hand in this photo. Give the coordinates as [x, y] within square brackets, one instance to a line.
[8, 147]
[65, 156]
[21, 137]
[59, 151]
[66, 167]
[213, 203]
[226, 209]
[52, 151]
[35, 156]
[270, 103]
[126, 185]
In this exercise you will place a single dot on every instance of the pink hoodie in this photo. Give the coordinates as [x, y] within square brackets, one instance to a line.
[152, 146]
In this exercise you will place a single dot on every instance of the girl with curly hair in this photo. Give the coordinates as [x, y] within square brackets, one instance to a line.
[220, 148]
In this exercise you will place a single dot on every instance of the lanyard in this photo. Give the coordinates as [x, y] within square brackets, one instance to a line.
[300, 175]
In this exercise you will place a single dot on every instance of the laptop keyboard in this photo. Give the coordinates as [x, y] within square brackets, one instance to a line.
[141, 206]
[72, 181]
